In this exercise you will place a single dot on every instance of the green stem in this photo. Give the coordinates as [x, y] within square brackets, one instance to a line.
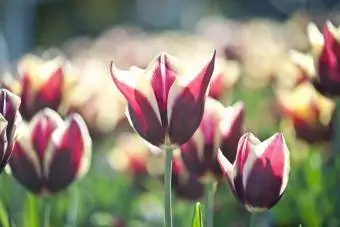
[46, 212]
[253, 219]
[73, 207]
[209, 191]
[167, 187]
[335, 143]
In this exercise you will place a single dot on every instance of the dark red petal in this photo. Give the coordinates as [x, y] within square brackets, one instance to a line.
[188, 107]
[188, 188]
[198, 86]
[191, 160]
[328, 65]
[141, 114]
[163, 78]
[41, 130]
[50, 94]
[264, 183]
[243, 151]
[68, 149]
[24, 169]
[185, 117]
[3, 141]
[232, 136]
[126, 89]
[26, 97]
[145, 121]
[9, 105]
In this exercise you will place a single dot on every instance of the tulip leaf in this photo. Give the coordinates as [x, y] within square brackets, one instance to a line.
[3, 215]
[31, 211]
[197, 219]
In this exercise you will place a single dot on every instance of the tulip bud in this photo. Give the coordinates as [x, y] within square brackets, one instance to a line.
[185, 185]
[260, 172]
[165, 101]
[309, 112]
[51, 153]
[226, 74]
[325, 50]
[219, 127]
[42, 84]
[9, 121]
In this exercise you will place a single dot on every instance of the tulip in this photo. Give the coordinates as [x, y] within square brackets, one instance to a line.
[41, 84]
[226, 74]
[325, 51]
[9, 121]
[186, 186]
[309, 112]
[260, 172]
[220, 127]
[165, 101]
[51, 153]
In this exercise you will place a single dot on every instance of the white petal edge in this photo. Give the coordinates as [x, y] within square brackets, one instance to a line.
[228, 116]
[226, 166]
[182, 81]
[46, 112]
[55, 138]
[314, 35]
[25, 142]
[254, 143]
[143, 84]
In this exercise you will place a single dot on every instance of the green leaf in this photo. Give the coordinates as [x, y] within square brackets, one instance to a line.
[197, 219]
[3, 215]
[31, 211]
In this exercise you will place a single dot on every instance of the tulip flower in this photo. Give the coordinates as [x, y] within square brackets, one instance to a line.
[51, 153]
[310, 113]
[325, 51]
[260, 172]
[186, 186]
[226, 74]
[220, 127]
[9, 121]
[165, 101]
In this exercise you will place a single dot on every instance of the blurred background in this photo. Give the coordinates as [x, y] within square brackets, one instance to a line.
[253, 40]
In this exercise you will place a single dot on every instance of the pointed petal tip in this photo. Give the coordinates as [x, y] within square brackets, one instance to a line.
[224, 163]
[239, 107]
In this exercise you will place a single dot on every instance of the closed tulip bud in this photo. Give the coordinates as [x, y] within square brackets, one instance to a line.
[42, 83]
[309, 112]
[325, 50]
[260, 172]
[165, 101]
[226, 74]
[220, 126]
[9, 120]
[51, 153]
[185, 185]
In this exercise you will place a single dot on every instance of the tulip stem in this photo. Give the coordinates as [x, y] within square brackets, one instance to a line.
[73, 207]
[253, 219]
[167, 187]
[210, 189]
[47, 212]
[335, 143]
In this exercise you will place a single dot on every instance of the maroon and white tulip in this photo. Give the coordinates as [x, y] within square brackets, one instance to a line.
[220, 126]
[260, 172]
[50, 153]
[9, 120]
[41, 84]
[166, 100]
[325, 51]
